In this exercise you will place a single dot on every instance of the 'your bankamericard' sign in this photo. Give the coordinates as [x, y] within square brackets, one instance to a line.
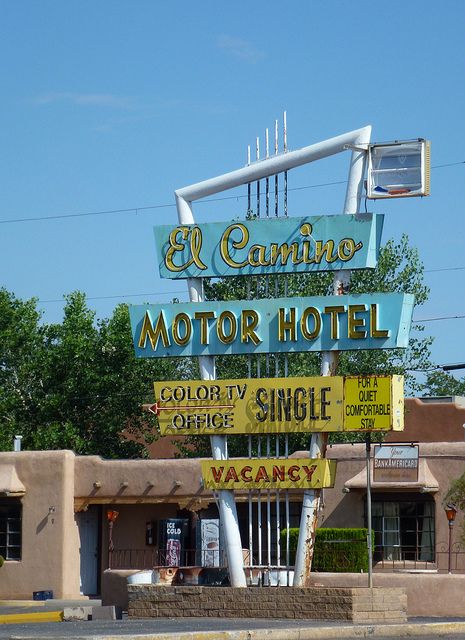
[364, 321]
[269, 246]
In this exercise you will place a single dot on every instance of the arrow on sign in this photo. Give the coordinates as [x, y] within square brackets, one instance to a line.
[156, 409]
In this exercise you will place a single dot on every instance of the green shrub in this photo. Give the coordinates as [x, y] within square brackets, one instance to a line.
[2, 561]
[336, 550]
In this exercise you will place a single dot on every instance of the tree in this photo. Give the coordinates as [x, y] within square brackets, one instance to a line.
[399, 269]
[77, 384]
[21, 354]
[456, 496]
[439, 383]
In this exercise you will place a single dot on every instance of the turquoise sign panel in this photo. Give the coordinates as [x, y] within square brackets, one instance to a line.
[269, 246]
[341, 323]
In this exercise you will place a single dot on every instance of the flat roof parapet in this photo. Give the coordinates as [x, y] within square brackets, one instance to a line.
[457, 400]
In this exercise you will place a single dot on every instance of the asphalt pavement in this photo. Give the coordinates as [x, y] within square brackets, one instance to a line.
[229, 629]
[33, 624]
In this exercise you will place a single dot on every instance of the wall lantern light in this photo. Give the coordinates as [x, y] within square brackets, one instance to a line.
[112, 515]
[451, 512]
[398, 169]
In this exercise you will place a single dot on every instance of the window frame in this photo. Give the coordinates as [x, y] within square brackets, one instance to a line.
[11, 528]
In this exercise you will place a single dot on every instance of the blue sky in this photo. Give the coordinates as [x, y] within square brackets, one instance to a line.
[113, 105]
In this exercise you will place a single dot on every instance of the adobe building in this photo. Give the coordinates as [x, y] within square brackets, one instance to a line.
[59, 531]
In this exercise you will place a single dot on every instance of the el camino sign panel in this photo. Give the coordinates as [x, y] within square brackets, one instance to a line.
[269, 246]
[270, 473]
[362, 321]
[279, 405]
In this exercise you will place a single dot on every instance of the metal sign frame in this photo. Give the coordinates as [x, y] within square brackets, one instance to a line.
[271, 166]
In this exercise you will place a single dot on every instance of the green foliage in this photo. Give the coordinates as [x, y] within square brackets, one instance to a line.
[293, 541]
[440, 383]
[336, 550]
[456, 496]
[2, 561]
[77, 384]
[341, 550]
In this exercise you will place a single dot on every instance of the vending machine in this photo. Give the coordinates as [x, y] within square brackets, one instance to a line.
[172, 538]
[208, 542]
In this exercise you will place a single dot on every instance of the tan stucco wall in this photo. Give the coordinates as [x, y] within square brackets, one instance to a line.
[427, 594]
[427, 421]
[50, 540]
[137, 481]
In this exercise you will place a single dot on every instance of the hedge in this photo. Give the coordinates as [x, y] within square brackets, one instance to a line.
[336, 550]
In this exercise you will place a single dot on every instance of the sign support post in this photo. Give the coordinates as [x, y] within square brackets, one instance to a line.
[227, 504]
[369, 533]
[329, 359]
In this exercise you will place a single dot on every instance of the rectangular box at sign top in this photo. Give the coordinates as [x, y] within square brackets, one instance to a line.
[269, 246]
[271, 473]
[279, 405]
[364, 321]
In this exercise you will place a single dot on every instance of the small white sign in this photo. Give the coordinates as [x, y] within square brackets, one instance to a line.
[395, 463]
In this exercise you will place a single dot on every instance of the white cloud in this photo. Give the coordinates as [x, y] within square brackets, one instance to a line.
[239, 48]
[85, 99]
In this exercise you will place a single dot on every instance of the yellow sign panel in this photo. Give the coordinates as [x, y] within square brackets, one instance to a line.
[374, 403]
[270, 473]
[279, 405]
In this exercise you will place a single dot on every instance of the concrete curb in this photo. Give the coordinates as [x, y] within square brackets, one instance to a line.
[309, 633]
[36, 616]
[22, 603]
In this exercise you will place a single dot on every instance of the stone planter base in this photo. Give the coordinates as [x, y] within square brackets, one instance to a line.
[355, 604]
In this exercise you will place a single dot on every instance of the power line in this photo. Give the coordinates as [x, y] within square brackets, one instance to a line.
[87, 213]
[444, 269]
[440, 318]
[115, 297]
[175, 293]
[137, 210]
[450, 164]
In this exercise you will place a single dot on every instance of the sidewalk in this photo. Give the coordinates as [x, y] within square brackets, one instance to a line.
[217, 629]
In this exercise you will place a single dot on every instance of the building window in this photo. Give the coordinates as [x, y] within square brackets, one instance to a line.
[403, 526]
[10, 528]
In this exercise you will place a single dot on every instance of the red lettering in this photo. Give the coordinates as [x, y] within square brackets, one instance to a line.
[231, 475]
[309, 471]
[244, 471]
[217, 473]
[292, 473]
[262, 475]
[278, 472]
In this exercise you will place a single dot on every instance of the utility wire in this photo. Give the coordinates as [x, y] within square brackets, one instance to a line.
[137, 210]
[122, 295]
[440, 318]
[175, 293]
[444, 269]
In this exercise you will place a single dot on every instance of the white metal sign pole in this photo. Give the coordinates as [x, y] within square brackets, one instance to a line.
[329, 359]
[262, 169]
[227, 505]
